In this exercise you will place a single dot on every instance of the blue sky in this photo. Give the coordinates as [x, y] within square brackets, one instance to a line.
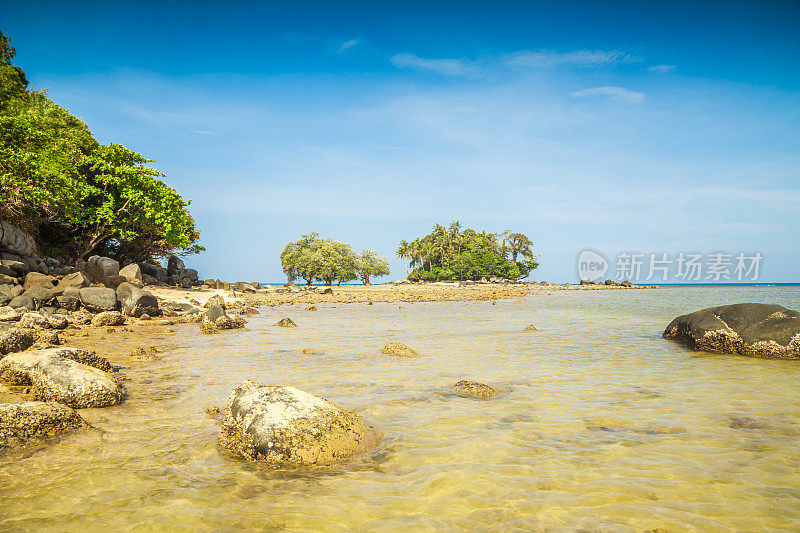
[617, 127]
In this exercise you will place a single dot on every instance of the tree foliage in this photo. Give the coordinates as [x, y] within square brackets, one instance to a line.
[312, 258]
[74, 194]
[452, 253]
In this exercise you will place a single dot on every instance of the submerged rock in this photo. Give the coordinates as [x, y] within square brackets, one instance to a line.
[758, 330]
[398, 349]
[473, 389]
[247, 310]
[217, 319]
[310, 351]
[530, 327]
[286, 427]
[60, 379]
[27, 421]
[311, 308]
[286, 323]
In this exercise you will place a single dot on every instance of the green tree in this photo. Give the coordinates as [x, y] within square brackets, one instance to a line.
[371, 264]
[312, 258]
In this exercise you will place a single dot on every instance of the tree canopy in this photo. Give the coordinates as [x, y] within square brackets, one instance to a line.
[456, 254]
[75, 195]
[312, 258]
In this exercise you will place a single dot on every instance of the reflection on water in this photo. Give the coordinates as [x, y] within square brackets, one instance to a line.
[603, 425]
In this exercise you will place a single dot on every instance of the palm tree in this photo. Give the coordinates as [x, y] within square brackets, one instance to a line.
[403, 251]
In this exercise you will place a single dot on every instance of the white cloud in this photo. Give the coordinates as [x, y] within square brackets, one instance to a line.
[347, 45]
[619, 94]
[578, 58]
[662, 68]
[449, 67]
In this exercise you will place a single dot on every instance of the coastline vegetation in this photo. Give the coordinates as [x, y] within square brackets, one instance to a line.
[313, 258]
[78, 197]
[456, 254]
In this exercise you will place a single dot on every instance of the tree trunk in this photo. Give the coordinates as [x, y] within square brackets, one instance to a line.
[96, 241]
[328, 281]
[309, 279]
[366, 281]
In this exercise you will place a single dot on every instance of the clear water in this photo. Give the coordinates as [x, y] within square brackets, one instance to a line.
[603, 425]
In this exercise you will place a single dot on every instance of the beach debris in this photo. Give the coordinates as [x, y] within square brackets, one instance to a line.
[758, 330]
[54, 376]
[399, 349]
[23, 422]
[473, 389]
[286, 323]
[283, 426]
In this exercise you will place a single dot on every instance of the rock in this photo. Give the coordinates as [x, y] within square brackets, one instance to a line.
[33, 321]
[8, 292]
[16, 241]
[131, 272]
[144, 354]
[76, 280]
[135, 301]
[14, 339]
[40, 293]
[217, 299]
[18, 267]
[23, 422]
[68, 302]
[24, 302]
[47, 337]
[149, 280]
[98, 299]
[310, 351]
[753, 329]
[530, 327]
[626, 283]
[108, 318]
[7, 279]
[286, 323]
[399, 349]
[60, 379]
[215, 312]
[311, 308]
[473, 389]
[286, 427]
[9, 314]
[186, 283]
[145, 316]
[247, 310]
[103, 270]
[174, 265]
[328, 290]
[587, 282]
[35, 279]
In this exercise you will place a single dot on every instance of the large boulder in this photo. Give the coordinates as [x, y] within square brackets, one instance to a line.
[103, 270]
[14, 339]
[27, 421]
[286, 427]
[174, 265]
[40, 293]
[16, 241]
[98, 299]
[135, 301]
[8, 292]
[76, 280]
[24, 301]
[758, 330]
[60, 379]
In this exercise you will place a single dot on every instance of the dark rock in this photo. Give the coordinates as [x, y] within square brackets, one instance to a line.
[758, 330]
[587, 282]
[135, 301]
[7, 279]
[174, 265]
[68, 302]
[241, 286]
[18, 267]
[16, 242]
[98, 299]
[626, 283]
[14, 339]
[23, 301]
[23, 422]
[327, 290]
[286, 427]
[102, 270]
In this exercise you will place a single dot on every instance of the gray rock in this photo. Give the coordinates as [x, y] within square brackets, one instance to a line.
[215, 312]
[59, 379]
[24, 422]
[174, 265]
[68, 302]
[16, 241]
[283, 426]
[217, 299]
[23, 301]
[19, 268]
[40, 293]
[135, 301]
[753, 329]
[102, 270]
[98, 299]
